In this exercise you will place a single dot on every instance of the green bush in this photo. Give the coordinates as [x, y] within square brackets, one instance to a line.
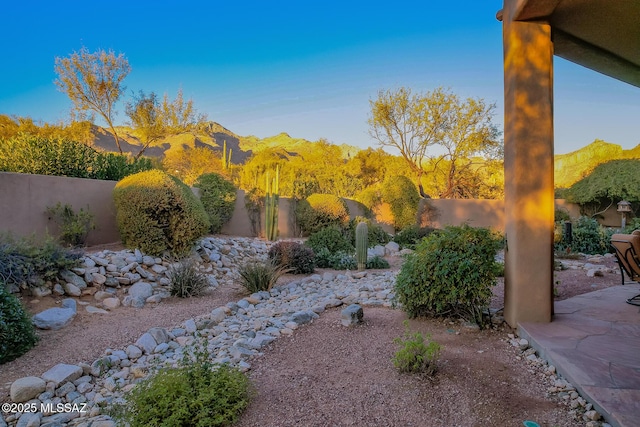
[451, 272]
[332, 238]
[27, 262]
[295, 257]
[319, 211]
[633, 224]
[377, 262]
[186, 280]
[335, 260]
[375, 233]
[17, 334]
[156, 212]
[61, 157]
[414, 355]
[411, 235]
[196, 393]
[74, 227]
[403, 198]
[258, 276]
[588, 237]
[218, 196]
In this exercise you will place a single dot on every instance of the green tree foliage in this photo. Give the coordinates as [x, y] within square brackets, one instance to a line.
[608, 183]
[93, 82]
[12, 126]
[401, 194]
[61, 157]
[218, 196]
[319, 211]
[412, 123]
[451, 273]
[17, 334]
[190, 163]
[157, 212]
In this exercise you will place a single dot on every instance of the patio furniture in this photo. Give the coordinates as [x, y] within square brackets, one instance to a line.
[627, 250]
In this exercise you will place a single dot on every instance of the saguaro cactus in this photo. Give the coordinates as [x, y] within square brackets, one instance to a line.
[271, 206]
[362, 245]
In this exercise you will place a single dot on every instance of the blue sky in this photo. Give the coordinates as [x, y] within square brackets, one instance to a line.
[305, 68]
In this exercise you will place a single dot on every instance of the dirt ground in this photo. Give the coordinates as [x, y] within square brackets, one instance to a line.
[326, 374]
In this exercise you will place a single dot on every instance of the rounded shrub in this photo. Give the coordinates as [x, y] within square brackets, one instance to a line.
[156, 212]
[319, 211]
[218, 196]
[411, 235]
[450, 273]
[589, 237]
[402, 196]
[332, 238]
[17, 334]
[295, 257]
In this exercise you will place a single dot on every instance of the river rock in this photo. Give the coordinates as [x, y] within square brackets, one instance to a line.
[56, 317]
[62, 373]
[26, 388]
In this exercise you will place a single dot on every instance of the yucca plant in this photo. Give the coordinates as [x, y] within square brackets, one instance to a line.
[258, 276]
[186, 280]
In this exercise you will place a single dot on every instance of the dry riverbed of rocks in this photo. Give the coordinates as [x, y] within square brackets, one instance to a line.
[235, 333]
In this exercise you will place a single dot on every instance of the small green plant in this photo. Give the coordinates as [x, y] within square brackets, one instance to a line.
[74, 227]
[294, 256]
[375, 233]
[332, 238]
[411, 235]
[377, 262]
[258, 276]
[362, 244]
[17, 334]
[218, 196]
[196, 393]
[186, 280]
[416, 355]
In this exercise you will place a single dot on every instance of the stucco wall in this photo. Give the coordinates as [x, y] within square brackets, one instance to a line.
[24, 199]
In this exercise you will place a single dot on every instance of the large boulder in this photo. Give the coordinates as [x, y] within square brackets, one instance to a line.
[26, 388]
[56, 317]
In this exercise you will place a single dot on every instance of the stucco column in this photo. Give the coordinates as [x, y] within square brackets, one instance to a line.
[528, 163]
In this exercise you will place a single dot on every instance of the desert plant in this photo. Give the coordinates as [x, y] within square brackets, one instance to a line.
[416, 356]
[402, 195]
[156, 212]
[377, 262]
[17, 334]
[589, 237]
[450, 273]
[196, 393]
[258, 276]
[186, 280]
[74, 227]
[319, 211]
[375, 233]
[272, 198]
[332, 238]
[362, 245]
[294, 256]
[218, 196]
[411, 235]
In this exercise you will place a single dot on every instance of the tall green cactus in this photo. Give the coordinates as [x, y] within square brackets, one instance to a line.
[271, 206]
[226, 159]
[362, 244]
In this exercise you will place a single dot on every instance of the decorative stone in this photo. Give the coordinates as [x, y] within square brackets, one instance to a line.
[352, 315]
[133, 352]
[72, 290]
[111, 303]
[147, 343]
[94, 310]
[62, 373]
[73, 278]
[26, 388]
[57, 317]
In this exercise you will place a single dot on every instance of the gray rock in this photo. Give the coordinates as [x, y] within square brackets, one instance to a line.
[190, 326]
[392, 248]
[56, 317]
[62, 373]
[303, 317]
[160, 335]
[26, 388]
[111, 303]
[94, 310]
[30, 419]
[40, 291]
[72, 290]
[99, 279]
[58, 289]
[133, 352]
[148, 261]
[147, 343]
[139, 292]
[352, 315]
[73, 278]
[218, 315]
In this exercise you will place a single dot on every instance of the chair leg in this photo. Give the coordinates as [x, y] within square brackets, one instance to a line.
[634, 300]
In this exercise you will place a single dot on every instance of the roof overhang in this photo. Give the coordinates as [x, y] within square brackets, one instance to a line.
[603, 35]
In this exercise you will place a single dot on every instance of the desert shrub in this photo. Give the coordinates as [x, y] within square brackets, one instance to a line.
[589, 237]
[377, 262]
[451, 273]
[27, 153]
[375, 233]
[633, 224]
[319, 211]
[28, 262]
[411, 235]
[218, 196]
[336, 260]
[258, 276]
[402, 196]
[416, 356]
[196, 393]
[17, 334]
[156, 212]
[332, 238]
[186, 280]
[74, 227]
[295, 257]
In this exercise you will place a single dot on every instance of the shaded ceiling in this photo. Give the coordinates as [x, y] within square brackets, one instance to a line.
[603, 35]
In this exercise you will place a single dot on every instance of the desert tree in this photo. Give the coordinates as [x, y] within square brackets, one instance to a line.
[93, 82]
